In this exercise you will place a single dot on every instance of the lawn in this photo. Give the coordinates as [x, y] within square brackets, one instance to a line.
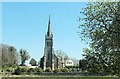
[63, 77]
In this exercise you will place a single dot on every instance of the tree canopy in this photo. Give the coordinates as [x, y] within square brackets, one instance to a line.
[101, 27]
[24, 56]
[8, 55]
[33, 62]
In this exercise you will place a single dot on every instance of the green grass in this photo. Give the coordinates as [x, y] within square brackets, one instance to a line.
[63, 77]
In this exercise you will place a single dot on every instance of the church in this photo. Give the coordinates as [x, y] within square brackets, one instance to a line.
[49, 59]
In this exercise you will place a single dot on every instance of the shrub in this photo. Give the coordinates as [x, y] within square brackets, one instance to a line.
[56, 70]
[24, 69]
[5, 67]
[14, 65]
[118, 75]
[10, 69]
[65, 70]
[48, 70]
[17, 71]
[39, 70]
[31, 70]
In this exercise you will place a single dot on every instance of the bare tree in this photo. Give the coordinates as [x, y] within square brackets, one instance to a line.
[62, 57]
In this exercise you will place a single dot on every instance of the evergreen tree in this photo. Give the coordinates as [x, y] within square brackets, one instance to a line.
[33, 62]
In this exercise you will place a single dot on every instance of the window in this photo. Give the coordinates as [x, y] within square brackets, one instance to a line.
[48, 44]
[48, 56]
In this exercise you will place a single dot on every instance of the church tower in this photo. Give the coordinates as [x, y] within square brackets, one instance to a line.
[48, 58]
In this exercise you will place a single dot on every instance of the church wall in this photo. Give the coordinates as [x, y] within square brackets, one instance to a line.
[49, 59]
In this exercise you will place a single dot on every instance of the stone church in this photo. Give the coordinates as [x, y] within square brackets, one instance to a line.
[49, 59]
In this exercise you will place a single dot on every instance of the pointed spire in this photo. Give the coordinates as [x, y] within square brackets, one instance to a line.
[49, 20]
[49, 29]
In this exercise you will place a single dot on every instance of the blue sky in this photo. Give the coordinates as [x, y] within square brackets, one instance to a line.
[47, 0]
[0, 22]
[24, 25]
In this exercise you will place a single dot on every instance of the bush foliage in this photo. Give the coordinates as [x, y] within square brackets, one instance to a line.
[17, 71]
[57, 70]
[39, 70]
[65, 70]
[48, 70]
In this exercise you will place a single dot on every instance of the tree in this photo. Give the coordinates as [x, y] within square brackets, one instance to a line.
[91, 62]
[9, 56]
[83, 64]
[24, 56]
[101, 24]
[13, 56]
[62, 57]
[33, 62]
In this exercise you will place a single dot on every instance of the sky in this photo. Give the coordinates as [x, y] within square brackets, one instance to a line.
[24, 25]
[47, 0]
[58, 0]
[0, 22]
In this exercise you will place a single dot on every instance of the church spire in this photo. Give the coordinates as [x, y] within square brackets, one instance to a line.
[49, 29]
